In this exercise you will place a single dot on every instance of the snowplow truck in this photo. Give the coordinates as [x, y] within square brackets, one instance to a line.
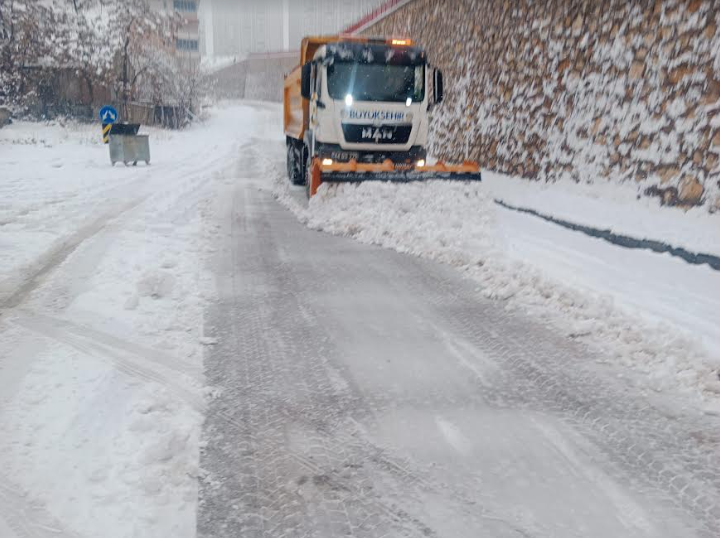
[356, 109]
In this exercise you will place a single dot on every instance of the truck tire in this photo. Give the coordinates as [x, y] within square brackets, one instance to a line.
[294, 164]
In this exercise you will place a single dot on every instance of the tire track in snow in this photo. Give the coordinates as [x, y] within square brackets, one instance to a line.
[538, 371]
[191, 392]
[280, 490]
[53, 258]
[31, 278]
[119, 360]
[25, 518]
[31, 320]
[638, 438]
[300, 464]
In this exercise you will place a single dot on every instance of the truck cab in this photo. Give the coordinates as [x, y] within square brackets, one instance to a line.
[364, 100]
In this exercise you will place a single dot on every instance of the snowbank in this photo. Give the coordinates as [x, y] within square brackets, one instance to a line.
[611, 206]
[458, 224]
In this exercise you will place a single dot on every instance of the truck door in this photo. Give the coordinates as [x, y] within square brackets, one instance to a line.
[315, 78]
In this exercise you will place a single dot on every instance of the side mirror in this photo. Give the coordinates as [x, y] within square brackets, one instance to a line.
[439, 87]
[305, 80]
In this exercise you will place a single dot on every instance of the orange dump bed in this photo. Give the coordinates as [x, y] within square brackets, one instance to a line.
[295, 108]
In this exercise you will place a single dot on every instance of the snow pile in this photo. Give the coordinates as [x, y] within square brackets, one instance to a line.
[74, 419]
[457, 224]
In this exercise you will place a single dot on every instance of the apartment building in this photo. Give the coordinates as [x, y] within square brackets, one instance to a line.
[241, 27]
[187, 41]
[187, 38]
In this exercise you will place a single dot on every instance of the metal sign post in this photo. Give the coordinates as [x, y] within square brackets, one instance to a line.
[108, 116]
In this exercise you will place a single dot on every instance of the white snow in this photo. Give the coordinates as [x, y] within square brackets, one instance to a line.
[212, 64]
[103, 285]
[643, 312]
[101, 388]
[611, 206]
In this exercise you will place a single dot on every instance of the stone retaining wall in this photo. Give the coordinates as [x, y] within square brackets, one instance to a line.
[586, 90]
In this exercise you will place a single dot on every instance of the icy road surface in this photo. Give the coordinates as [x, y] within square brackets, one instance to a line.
[361, 392]
[181, 356]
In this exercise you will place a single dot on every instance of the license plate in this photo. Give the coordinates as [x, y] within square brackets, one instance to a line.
[344, 156]
[403, 166]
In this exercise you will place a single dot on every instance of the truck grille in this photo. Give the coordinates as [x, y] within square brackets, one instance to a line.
[371, 134]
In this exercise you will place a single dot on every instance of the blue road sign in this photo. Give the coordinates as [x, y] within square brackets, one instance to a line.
[108, 114]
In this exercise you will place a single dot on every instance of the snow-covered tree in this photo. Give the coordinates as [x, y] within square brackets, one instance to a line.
[171, 79]
[125, 45]
[22, 44]
[141, 37]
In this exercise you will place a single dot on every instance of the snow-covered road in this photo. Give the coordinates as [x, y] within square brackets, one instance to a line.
[361, 392]
[182, 356]
[103, 289]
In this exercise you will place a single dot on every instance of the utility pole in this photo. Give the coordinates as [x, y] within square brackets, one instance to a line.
[286, 24]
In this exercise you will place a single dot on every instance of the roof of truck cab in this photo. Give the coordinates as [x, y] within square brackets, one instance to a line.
[374, 52]
[311, 44]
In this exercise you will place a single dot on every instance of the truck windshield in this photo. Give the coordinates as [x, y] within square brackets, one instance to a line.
[376, 82]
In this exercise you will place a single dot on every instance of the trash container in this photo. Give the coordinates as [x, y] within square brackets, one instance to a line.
[127, 129]
[127, 146]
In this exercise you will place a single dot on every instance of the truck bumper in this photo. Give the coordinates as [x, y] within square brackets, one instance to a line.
[354, 172]
[338, 154]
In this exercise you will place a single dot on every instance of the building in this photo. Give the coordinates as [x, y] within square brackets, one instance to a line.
[187, 38]
[187, 41]
[240, 27]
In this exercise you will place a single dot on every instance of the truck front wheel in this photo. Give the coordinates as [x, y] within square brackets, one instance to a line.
[295, 171]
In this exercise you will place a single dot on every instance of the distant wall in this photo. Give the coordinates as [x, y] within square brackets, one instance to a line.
[259, 77]
[621, 90]
[266, 74]
[229, 82]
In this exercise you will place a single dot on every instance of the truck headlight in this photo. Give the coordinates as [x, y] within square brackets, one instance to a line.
[420, 163]
[348, 100]
[327, 162]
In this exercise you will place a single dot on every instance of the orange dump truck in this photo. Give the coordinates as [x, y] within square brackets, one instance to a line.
[356, 109]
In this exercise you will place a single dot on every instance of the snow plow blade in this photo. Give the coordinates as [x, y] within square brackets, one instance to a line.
[354, 172]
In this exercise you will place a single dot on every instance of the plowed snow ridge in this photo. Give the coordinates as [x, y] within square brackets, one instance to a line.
[457, 224]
